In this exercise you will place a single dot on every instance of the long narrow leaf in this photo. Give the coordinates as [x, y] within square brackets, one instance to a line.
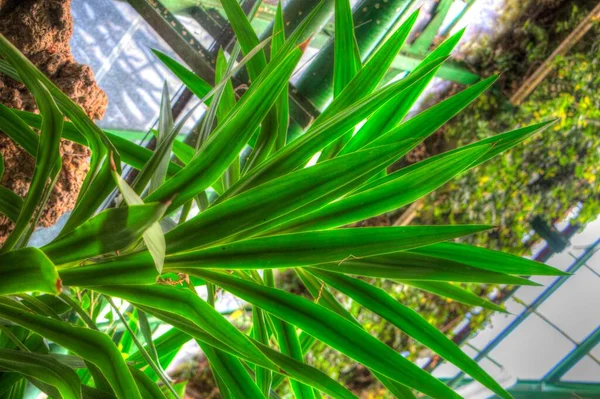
[335, 331]
[277, 198]
[452, 291]
[316, 247]
[229, 138]
[412, 266]
[488, 259]
[27, 270]
[298, 153]
[93, 346]
[111, 230]
[180, 308]
[411, 323]
[415, 182]
[392, 113]
[43, 368]
[10, 204]
[154, 237]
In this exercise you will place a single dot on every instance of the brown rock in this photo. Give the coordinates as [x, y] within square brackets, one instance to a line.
[42, 29]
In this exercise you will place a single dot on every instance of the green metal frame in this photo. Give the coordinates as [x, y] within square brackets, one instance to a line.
[551, 289]
[533, 389]
[573, 357]
[526, 389]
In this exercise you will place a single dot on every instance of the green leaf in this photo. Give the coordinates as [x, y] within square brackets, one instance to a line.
[282, 105]
[287, 338]
[322, 295]
[131, 153]
[346, 56]
[18, 130]
[193, 82]
[153, 235]
[320, 291]
[43, 368]
[187, 312]
[411, 266]
[234, 375]
[48, 160]
[148, 388]
[277, 198]
[94, 346]
[369, 76]
[27, 270]
[183, 152]
[434, 117]
[259, 332]
[131, 269]
[499, 143]
[392, 113]
[226, 104]
[228, 139]
[131, 328]
[246, 37]
[168, 343]
[10, 204]
[315, 247]
[165, 127]
[449, 290]
[407, 185]
[160, 157]
[110, 230]
[300, 151]
[147, 333]
[411, 323]
[488, 259]
[333, 330]
[346, 63]
[505, 141]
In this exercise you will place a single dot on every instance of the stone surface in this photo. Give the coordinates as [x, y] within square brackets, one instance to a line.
[42, 29]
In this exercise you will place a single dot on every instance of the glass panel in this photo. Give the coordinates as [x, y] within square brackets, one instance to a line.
[116, 42]
[446, 370]
[594, 262]
[574, 306]
[588, 236]
[562, 260]
[497, 323]
[531, 349]
[528, 294]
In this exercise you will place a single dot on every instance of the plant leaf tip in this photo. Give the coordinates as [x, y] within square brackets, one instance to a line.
[59, 286]
[169, 200]
[113, 166]
[304, 45]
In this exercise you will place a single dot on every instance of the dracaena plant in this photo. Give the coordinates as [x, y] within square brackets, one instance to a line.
[259, 212]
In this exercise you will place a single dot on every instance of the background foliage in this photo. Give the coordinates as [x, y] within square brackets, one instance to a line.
[553, 172]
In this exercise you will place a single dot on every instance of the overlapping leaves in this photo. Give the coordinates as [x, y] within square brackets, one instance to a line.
[272, 212]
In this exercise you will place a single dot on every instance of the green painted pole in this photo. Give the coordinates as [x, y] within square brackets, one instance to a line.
[372, 20]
